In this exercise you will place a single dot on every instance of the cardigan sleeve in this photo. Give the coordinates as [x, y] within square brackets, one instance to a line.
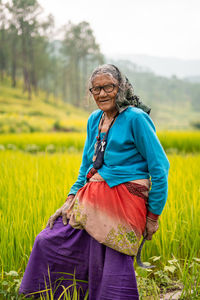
[84, 166]
[150, 148]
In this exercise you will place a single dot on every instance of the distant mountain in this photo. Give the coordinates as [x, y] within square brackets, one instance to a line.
[193, 79]
[164, 66]
[175, 102]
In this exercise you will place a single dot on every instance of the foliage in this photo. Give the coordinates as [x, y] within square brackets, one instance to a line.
[62, 67]
[173, 277]
[176, 275]
[180, 141]
[155, 89]
[173, 142]
[17, 115]
[30, 194]
[61, 142]
[196, 124]
[80, 54]
[27, 52]
[10, 283]
[52, 114]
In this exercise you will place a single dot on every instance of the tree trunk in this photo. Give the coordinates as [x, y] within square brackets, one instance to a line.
[26, 75]
[32, 60]
[2, 53]
[77, 82]
[14, 63]
[13, 73]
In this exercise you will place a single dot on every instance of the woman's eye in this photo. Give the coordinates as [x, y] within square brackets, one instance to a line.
[108, 87]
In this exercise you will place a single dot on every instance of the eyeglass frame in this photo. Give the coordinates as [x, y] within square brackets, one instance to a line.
[102, 87]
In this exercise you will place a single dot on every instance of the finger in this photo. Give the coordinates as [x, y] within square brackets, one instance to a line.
[51, 223]
[58, 213]
[145, 233]
[64, 218]
[53, 218]
[149, 232]
[149, 236]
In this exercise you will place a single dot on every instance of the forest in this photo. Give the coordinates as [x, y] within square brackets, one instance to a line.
[31, 53]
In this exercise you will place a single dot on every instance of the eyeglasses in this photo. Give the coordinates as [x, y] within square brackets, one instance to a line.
[107, 88]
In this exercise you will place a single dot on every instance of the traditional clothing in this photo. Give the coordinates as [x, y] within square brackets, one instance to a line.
[133, 152]
[105, 219]
[110, 219]
[110, 274]
[115, 217]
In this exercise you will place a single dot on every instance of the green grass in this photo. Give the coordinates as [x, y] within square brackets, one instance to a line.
[180, 141]
[172, 141]
[46, 114]
[60, 141]
[34, 186]
[174, 117]
[18, 114]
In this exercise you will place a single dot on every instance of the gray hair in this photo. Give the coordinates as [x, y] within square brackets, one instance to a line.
[125, 92]
[125, 96]
[107, 69]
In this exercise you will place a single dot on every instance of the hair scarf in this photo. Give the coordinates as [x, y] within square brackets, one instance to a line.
[126, 97]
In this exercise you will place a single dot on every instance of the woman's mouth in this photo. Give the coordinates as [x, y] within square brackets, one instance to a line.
[104, 100]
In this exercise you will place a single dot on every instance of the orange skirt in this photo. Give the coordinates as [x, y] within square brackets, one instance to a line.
[115, 217]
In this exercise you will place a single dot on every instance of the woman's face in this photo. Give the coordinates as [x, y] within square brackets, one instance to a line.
[105, 100]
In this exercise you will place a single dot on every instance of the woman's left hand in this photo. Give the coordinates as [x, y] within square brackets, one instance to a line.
[151, 227]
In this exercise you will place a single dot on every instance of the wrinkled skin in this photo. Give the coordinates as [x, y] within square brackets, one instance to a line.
[106, 101]
[63, 211]
[151, 227]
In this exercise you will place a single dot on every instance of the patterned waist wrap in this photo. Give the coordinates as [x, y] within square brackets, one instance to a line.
[115, 217]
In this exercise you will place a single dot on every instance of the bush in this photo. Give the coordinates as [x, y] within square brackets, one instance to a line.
[196, 125]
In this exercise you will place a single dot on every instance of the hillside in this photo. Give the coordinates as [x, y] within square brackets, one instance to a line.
[18, 114]
[163, 66]
[175, 103]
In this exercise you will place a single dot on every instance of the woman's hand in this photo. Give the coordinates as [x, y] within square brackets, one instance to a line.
[151, 227]
[62, 211]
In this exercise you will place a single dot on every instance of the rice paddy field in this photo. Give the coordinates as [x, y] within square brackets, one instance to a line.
[37, 171]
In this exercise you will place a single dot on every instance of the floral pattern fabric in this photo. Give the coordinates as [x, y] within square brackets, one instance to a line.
[113, 216]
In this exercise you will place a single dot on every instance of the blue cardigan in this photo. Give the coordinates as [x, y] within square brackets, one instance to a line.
[133, 152]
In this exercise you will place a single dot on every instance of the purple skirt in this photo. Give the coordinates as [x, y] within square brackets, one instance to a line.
[109, 274]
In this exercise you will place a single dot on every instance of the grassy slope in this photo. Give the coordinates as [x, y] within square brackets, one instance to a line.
[174, 117]
[18, 114]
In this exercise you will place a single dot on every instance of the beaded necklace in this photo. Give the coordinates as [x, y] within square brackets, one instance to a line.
[100, 145]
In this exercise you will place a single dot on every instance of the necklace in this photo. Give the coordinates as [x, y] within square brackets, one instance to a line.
[100, 145]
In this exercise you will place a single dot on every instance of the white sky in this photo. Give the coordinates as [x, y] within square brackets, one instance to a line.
[166, 28]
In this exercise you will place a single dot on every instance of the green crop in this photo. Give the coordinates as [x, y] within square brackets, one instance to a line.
[172, 141]
[32, 187]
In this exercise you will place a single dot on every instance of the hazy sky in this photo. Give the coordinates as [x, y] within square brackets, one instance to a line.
[169, 28]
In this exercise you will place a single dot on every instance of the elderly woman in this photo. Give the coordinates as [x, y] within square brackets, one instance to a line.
[120, 192]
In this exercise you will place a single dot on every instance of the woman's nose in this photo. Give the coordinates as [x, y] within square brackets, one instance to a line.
[102, 93]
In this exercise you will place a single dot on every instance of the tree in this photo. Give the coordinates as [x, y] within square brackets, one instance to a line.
[3, 41]
[79, 51]
[24, 27]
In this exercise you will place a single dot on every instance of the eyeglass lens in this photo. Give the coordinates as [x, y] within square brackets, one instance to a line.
[107, 88]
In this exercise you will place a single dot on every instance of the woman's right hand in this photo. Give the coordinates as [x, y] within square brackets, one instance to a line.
[62, 211]
[151, 228]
